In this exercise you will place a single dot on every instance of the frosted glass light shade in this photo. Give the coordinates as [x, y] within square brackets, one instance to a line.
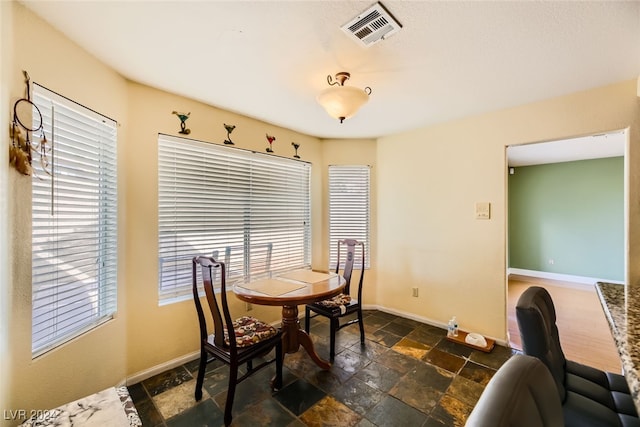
[342, 102]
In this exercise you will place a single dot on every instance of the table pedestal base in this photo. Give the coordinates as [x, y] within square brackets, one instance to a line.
[293, 336]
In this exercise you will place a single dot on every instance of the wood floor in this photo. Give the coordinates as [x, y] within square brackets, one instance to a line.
[584, 331]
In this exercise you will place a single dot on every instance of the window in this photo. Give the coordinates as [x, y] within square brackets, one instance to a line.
[348, 208]
[74, 223]
[249, 210]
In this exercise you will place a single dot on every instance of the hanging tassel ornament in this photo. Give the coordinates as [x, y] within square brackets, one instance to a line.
[18, 151]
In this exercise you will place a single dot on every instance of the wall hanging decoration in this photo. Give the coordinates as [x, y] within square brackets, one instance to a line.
[270, 139]
[295, 147]
[27, 118]
[229, 129]
[183, 126]
[18, 157]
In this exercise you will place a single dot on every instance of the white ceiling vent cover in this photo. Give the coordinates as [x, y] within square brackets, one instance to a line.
[372, 25]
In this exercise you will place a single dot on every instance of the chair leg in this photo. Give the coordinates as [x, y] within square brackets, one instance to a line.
[201, 368]
[233, 380]
[307, 319]
[333, 326]
[361, 324]
[277, 384]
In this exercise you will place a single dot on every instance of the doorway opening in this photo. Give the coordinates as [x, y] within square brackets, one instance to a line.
[566, 231]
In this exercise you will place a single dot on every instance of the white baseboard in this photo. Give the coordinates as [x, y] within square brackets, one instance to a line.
[155, 370]
[421, 319]
[405, 315]
[560, 277]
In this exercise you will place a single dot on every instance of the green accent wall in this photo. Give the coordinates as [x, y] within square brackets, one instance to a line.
[571, 213]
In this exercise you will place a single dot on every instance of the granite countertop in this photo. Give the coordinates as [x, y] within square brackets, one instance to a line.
[624, 322]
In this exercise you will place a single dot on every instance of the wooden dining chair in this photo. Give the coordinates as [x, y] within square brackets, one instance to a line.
[232, 342]
[343, 304]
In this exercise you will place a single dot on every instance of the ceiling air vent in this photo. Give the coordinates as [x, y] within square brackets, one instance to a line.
[372, 25]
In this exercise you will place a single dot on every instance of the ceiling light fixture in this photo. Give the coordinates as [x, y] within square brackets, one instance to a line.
[340, 101]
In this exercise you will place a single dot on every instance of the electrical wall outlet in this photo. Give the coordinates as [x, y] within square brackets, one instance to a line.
[248, 306]
[415, 292]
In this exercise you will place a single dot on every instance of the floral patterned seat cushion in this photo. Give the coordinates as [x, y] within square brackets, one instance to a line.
[337, 301]
[337, 304]
[249, 331]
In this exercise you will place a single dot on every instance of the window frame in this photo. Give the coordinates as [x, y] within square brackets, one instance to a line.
[351, 209]
[74, 223]
[250, 188]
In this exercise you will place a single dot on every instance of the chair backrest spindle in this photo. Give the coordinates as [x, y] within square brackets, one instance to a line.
[219, 312]
[349, 263]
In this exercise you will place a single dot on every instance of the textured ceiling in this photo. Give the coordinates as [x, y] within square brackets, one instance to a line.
[268, 60]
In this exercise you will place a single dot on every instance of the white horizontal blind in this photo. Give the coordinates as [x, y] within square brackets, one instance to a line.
[349, 208]
[249, 210]
[74, 223]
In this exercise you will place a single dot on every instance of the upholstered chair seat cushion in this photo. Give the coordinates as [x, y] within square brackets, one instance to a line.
[608, 380]
[249, 331]
[606, 388]
[336, 301]
[581, 411]
[337, 304]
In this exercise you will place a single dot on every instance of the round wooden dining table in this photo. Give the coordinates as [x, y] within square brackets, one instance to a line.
[281, 291]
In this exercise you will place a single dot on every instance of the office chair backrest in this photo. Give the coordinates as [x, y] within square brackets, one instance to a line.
[536, 316]
[518, 396]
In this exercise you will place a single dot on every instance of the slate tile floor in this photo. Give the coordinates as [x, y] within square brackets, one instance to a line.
[407, 374]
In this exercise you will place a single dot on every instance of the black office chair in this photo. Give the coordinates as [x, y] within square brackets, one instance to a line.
[589, 396]
[518, 396]
[233, 342]
[343, 304]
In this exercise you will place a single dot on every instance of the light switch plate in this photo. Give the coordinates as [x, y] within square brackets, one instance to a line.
[483, 210]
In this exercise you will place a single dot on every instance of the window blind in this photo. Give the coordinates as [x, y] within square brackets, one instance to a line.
[74, 223]
[249, 210]
[349, 208]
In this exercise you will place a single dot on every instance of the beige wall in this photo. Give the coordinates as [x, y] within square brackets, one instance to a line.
[6, 53]
[157, 334]
[423, 231]
[431, 179]
[97, 359]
